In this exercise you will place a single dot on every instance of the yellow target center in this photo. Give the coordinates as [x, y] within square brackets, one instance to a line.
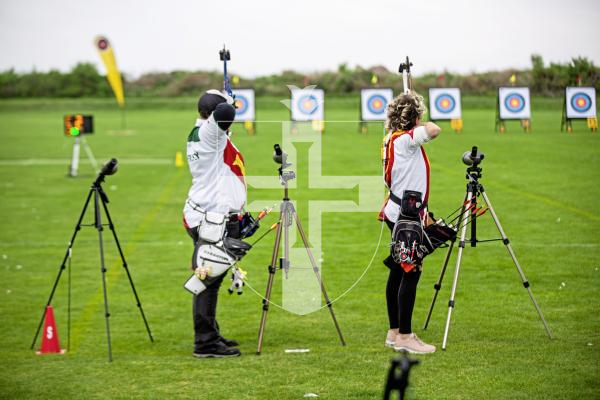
[238, 104]
[580, 102]
[377, 103]
[307, 104]
[514, 102]
[445, 103]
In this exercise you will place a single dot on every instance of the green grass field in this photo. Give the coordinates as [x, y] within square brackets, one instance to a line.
[543, 185]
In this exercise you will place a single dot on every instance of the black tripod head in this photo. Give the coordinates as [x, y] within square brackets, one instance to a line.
[110, 168]
[280, 157]
[397, 379]
[473, 158]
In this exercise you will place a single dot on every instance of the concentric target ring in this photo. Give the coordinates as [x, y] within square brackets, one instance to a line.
[581, 102]
[445, 103]
[241, 104]
[376, 104]
[308, 104]
[514, 102]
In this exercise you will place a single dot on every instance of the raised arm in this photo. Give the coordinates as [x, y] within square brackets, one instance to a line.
[432, 129]
[423, 134]
[215, 130]
[224, 115]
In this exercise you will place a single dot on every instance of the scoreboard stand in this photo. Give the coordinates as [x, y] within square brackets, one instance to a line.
[76, 126]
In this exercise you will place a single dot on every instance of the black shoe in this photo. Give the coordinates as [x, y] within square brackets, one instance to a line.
[219, 350]
[229, 342]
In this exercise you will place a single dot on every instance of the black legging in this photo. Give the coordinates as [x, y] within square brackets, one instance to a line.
[204, 309]
[400, 293]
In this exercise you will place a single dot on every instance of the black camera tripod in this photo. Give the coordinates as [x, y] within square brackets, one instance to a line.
[99, 197]
[288, 215]
[397, 380]
[469, 214]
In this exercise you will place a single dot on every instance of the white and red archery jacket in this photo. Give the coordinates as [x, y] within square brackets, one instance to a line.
[405, 167]
[218, 173]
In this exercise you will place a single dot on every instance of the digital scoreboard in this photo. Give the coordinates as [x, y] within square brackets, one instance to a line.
[77, 124]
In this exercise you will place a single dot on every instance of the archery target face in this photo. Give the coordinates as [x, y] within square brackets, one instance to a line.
[444, 103]
[581, 102]
[244, 103]
[307, 105]
[514, 103]
[373, 104]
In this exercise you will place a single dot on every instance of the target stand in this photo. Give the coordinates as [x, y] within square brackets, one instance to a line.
[307, 105]
[373, 106]
[445, 105]
[513, 103]
[579, 103]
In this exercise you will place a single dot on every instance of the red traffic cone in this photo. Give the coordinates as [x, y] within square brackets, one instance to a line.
[50, 342]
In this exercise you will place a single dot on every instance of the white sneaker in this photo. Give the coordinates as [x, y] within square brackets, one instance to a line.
[413, 345]
[390, 340]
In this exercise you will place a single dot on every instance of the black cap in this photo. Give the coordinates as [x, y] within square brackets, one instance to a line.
[209, 101]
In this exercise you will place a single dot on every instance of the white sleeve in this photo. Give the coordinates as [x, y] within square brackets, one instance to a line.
[210, 133]
[419, 137]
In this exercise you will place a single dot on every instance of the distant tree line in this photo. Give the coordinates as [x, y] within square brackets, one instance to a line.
[84, 80]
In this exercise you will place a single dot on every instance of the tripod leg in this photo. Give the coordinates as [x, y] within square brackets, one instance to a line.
[69, 304]
[272, 270]
[516, 262]
[62, 265]
[318, 274]
[438, 285]
[90, 155]
[287, 215]
[461, 247]
[99, 227]
[125, 266]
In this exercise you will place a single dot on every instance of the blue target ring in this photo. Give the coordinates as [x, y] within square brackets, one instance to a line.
[376, 104]
[308, 104]
[445, 103]
[514, 102]
[581, 102]
[241, 104]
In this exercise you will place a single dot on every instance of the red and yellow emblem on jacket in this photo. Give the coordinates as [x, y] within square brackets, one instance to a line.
[235, 161]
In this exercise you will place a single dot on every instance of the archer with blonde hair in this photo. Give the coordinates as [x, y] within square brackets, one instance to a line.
[405, 169]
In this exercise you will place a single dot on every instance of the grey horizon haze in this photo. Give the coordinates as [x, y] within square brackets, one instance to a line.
[269, 36]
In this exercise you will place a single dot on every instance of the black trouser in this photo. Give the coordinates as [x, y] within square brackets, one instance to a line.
[206, 328]
[400, 293]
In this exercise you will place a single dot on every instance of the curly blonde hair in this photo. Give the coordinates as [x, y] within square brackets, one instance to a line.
[403, 112]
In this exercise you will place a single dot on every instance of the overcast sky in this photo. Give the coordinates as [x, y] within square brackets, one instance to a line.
[269, 36]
